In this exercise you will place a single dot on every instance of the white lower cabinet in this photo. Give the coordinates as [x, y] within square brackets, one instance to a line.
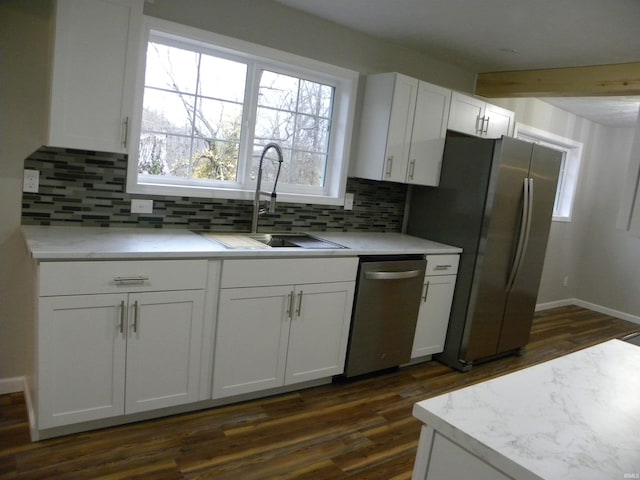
[437, 295]
[274, 335]
[103, 355]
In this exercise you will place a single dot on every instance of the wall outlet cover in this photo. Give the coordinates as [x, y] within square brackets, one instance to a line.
[31, 181]
[141, 206]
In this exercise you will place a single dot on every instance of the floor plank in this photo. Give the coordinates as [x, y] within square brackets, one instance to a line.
[359, 429]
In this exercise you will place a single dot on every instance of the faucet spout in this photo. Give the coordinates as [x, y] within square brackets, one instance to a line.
[259, 193]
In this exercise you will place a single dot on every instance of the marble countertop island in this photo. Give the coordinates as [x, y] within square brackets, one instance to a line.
[575, 417]
[48, 243]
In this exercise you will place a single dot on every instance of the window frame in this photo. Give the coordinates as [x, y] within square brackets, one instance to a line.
[258, 57]
[569, 170]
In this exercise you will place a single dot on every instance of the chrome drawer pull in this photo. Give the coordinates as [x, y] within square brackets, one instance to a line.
[132, 280]
[442, 267]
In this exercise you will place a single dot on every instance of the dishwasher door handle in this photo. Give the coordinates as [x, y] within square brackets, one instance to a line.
[381, 275]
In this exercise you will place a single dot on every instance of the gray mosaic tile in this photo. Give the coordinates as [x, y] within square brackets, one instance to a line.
[87, 188]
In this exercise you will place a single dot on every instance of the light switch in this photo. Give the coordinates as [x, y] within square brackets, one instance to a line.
[348, 201]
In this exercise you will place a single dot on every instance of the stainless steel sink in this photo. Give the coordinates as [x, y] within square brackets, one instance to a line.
[271, 240]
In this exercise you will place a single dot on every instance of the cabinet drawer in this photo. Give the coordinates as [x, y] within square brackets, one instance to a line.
[442, 264]
[288, 271]
[78, 278]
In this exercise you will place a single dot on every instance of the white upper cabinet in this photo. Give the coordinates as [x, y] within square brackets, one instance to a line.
[402, 131]
[95, 58]
[476, 117]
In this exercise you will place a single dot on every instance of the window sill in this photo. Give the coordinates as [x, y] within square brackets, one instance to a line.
[231, 194]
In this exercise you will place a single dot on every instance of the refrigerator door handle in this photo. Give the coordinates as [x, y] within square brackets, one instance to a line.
[524, 232]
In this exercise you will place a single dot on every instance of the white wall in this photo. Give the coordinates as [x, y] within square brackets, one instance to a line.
[24, 70]
[601, 262]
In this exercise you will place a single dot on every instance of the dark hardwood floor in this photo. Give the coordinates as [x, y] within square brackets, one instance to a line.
[357, 430]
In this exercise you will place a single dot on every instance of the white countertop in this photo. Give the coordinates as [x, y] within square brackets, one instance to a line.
[75, 243]
[575, 417]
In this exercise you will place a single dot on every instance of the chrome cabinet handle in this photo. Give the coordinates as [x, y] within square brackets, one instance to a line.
[412, 168]
[125, 134]
[131, 280]
[299, 304]
[389, 166]
[392, 275]
[486, 126]
[290, 307]
[478, 120]
[426, 291]
[122, 312]
[136, 309]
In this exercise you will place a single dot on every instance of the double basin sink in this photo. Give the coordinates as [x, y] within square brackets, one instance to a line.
[270, 240]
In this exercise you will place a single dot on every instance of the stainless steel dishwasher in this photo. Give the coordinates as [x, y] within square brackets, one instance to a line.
[385, 313]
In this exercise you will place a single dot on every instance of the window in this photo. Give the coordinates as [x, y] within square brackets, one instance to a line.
[569, 168]
[209, 104]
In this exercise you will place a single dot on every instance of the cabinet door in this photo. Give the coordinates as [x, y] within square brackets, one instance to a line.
[433, 317]
[319, 331]
[400, 126]
[81, 358]
[90, 75]
[251, 339]
[466, 114]
[163, 349]
[500, 121]
[428, 134]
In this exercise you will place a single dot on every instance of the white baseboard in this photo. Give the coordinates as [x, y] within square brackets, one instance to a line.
[591, 306]
[11, 385]
[556, 304]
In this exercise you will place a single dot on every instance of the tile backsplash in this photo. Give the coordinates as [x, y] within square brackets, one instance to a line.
[79, 187]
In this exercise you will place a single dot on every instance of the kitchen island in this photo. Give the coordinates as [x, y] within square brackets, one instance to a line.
[575, 417]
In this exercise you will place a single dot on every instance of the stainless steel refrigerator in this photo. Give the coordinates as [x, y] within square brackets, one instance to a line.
[495, 201]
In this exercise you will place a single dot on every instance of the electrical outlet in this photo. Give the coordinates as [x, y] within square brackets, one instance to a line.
[31, 181]
[348, 201]
[141, 206]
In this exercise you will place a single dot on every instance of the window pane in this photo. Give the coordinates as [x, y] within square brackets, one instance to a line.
[214, 160]
[312, 134]
[171, 68]
[274, 126]
[297, 118]
[167, 112]
[222, 79]
[278, 91]
[269, 165]
[307, 169]
[164, 155]
[315, 99]
[218, 120]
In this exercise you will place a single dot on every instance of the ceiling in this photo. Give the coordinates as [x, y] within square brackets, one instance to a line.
[503, 35]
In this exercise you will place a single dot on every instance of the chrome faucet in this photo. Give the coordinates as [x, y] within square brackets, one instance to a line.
[256, 199]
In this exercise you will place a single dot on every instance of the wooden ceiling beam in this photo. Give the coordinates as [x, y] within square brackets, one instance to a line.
[602, 80]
